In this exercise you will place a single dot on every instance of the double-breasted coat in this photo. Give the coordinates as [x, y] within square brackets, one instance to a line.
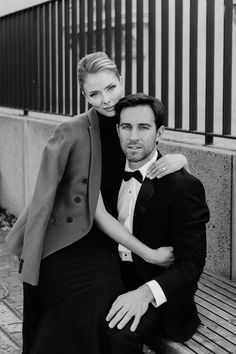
[66, 193]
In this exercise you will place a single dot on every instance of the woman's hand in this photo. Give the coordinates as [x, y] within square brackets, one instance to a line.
[163, 256]
[167, 164]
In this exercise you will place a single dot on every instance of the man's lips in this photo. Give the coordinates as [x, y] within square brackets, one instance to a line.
[134, 147]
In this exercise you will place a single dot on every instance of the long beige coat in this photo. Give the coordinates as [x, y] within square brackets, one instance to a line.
[65, 197]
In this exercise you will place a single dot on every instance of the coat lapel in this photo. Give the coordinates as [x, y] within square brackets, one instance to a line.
[96, 161]
[142, 202]
[144, 196]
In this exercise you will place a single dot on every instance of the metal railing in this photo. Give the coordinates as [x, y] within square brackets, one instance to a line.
[157, 45]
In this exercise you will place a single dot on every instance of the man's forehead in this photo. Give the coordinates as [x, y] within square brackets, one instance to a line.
[137, 114]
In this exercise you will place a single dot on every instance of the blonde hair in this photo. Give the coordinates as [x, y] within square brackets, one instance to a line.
[93, 63]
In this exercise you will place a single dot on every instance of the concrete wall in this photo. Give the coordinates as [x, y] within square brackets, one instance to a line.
[214, 167]
[22, 139]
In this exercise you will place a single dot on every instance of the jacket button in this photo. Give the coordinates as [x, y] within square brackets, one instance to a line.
[52, 220]
[77, 199]
[69, 219]
[85, 181]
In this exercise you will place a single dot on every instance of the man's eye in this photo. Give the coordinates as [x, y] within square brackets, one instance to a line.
[93, 95]
[112, 87]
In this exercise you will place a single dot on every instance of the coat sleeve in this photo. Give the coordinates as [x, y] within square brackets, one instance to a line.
[53, 163]
[188, 217]
[15, 237]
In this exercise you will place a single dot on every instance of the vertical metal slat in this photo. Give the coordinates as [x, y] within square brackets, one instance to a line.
[47, 60]
[67, 57]
[165, 57]
[210, 46]
[90, 43]
[139, 54]
[82, 43]
[53, 59]
[99, 45]
[74, 59]
[152, 47]
[193, 65]
[128, 47]
[178, 63]
[227, 70]
[118, 34]
[60, 61]
[108, 29]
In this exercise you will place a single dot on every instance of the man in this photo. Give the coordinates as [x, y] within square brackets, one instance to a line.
[167, 212]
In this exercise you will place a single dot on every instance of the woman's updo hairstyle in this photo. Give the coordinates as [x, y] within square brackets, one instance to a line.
[93, 63]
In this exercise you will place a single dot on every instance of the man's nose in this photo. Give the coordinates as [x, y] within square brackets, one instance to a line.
[134, 135]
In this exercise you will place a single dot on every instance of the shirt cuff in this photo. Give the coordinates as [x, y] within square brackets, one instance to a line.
[157, 292]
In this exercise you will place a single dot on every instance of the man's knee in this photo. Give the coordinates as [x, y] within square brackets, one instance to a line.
[123, 341]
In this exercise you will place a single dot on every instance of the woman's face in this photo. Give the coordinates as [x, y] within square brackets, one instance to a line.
[103, 90]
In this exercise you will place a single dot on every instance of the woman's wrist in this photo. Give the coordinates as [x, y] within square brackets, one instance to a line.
[150, 255]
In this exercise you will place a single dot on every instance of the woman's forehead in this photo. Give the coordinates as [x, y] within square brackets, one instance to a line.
[99, 80]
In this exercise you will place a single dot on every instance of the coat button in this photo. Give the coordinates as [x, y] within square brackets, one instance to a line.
[85, 181]
[52, 220]
[77, 199]
[69, 219]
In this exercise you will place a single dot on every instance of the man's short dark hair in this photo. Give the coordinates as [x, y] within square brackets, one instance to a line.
[141, 99]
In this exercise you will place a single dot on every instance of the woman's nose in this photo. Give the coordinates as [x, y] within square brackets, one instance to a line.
[106, 98]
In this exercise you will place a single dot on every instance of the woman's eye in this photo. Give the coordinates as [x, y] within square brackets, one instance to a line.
[112, 87]
[93, 95]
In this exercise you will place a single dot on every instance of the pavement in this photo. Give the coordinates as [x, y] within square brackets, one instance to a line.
[10, 300]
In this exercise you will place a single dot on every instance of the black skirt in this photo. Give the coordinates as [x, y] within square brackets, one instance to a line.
[77, 286]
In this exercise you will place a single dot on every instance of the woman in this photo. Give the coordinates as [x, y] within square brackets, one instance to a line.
[69, 267]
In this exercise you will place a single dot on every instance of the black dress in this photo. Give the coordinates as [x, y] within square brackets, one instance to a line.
[65, 313]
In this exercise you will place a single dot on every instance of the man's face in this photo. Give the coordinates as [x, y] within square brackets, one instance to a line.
[138, 134]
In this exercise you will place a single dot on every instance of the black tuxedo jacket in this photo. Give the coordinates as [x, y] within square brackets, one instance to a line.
[171, 211]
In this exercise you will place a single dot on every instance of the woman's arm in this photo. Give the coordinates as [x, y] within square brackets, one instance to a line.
[167, 164]
[163, 256]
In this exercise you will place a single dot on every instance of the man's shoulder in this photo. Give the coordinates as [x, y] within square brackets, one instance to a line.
[181, 179]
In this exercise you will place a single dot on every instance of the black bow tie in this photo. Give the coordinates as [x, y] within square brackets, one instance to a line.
[136, 174]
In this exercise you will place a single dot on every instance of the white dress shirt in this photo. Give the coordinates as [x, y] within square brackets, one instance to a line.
[126, 204]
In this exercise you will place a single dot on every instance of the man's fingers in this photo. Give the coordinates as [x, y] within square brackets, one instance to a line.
[118, 317]
[135, 323]
[124, 320]
[114, 309]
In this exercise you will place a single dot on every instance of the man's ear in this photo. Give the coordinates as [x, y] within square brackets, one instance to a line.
[160, 132]
[117, 129]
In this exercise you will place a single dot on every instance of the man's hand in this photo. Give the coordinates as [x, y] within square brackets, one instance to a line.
[131, 304]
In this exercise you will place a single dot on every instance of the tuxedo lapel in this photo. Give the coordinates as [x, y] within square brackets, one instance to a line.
[144, 196]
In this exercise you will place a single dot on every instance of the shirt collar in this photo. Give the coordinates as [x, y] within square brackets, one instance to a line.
[145, 167]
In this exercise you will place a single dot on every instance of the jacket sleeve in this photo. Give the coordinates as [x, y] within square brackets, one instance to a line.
[15, 237]
[53, 163]
[188, 216]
